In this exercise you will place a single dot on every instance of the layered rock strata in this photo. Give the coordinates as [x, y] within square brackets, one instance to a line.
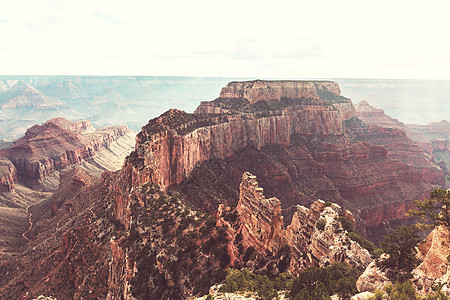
[8, 175]
[58, 144]
[315, 235]
[259, 90]
[400, 141]
[263, 227]
[176, 142]
[261, 94]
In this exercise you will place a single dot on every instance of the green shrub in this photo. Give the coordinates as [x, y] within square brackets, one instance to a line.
[321, 224]
[400, 291]
[346, 224]
[245, 280]
[320, 283]
[402, 249]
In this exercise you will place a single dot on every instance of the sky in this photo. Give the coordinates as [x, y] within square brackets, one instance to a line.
[246, 38]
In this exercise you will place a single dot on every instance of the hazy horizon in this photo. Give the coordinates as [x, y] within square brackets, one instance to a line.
[250, 39]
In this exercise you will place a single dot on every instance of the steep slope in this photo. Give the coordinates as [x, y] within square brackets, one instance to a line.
[143, 232]
[436, 142]
[24, 96]
[58, 144]
[401, 142]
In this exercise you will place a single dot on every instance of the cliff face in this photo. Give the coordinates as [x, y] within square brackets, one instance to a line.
[176, 149]
[313, 245]
[315, 236]
[434, 267]
[259, 95]
[263, 226]
[260, 90]
[56, 145]
[400, 141]
[8, 175]
[435, 141]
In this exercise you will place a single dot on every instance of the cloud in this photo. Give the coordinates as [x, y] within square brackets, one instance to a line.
[108, 18]
[237, 38]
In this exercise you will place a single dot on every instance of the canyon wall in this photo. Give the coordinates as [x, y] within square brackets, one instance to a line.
[8, 175]
[262, 90]
[175, 153]
[401, 142]
[56, 145]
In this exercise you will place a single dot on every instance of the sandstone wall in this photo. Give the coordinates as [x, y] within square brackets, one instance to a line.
[48, 148]
[175, 155]
[262, 228]
[258, 90]
[8, 175]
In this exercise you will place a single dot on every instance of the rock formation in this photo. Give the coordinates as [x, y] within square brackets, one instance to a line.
[255, 95]
[123, 236]
[260, 90]
[315, 235]
[435, 141]
[8, 175]
[436, 131]
[58, 144]
[434, 253]
[399, 141]
[263, 226]
[317, 239]
[434, 268]
[176, 142]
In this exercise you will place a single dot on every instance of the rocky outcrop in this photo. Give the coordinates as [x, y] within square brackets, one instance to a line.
[263, 227]
[262, 90]
[372, 278]
[434, 268]
[315, 235]
[317, 239]
[56, 145]
[8, 175]
[435, 265]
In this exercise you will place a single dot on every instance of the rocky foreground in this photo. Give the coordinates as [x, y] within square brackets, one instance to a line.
[180, 211]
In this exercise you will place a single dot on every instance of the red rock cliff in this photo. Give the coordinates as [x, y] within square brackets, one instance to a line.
[258, 90]
[8, 175]
[48, 147]
[173, 151]
[261, 227]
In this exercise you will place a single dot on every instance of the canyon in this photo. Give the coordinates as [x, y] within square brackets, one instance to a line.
[426, 147]
[30, 168]
[183, 208]
[58, 144]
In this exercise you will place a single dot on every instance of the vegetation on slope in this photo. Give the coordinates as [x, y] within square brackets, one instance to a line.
[313, 283]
